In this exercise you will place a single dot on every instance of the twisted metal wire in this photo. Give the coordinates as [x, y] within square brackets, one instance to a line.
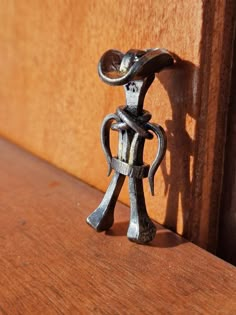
[137, 124]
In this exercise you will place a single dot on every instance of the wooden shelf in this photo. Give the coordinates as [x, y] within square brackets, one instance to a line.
[52, 262]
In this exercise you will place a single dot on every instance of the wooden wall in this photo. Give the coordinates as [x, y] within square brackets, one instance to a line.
[227, 232]
[52, 101]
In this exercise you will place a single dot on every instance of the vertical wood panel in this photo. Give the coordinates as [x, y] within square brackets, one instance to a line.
[227, 235]
[215, 76]
[52, 101]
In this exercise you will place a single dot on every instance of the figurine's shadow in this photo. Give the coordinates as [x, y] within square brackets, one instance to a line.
[118, 229]
[163, 239]
[180, 82]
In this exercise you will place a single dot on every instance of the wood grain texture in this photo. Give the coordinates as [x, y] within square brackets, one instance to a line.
[219, 19]
[227, 235]
[52, 262]
[52, 101]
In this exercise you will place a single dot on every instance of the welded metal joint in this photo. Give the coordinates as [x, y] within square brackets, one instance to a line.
[135, 70]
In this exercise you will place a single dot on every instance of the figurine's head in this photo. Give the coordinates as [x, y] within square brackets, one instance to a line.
[117, 68]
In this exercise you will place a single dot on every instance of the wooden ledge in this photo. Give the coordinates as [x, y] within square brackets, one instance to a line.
[52, 262]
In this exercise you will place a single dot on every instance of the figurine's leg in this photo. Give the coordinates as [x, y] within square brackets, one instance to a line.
[103, 217]
[141, 228]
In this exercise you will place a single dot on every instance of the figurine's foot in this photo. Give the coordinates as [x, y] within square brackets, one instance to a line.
[141, 234]
[103, 217]
[99, 222]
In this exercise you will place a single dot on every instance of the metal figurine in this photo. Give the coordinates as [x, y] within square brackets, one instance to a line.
[135, 70]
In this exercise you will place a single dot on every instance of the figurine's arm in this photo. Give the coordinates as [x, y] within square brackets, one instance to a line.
[105, 138]
[161, 136]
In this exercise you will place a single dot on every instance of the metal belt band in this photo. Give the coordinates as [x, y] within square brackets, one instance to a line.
[129, 170]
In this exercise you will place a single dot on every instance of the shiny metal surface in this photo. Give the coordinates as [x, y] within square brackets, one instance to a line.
[135, 70]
